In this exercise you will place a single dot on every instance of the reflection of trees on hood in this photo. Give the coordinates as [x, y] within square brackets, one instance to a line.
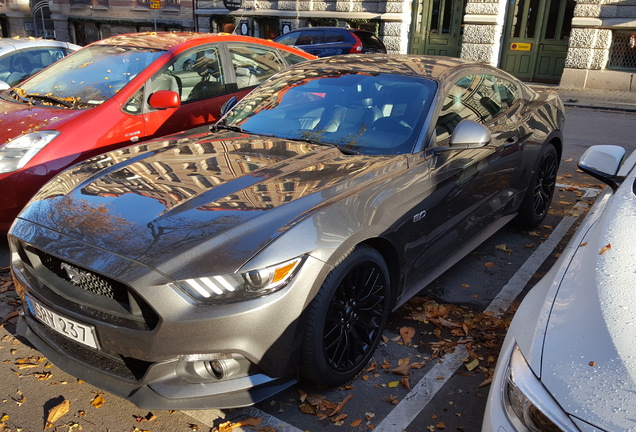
[84, 220]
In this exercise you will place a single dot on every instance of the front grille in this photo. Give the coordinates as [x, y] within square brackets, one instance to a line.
[86, 292]
[82, 278]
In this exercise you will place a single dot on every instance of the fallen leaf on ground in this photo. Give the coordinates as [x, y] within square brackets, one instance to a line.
[472, 365]
[407, 334]
[98, 401]
[57, 412]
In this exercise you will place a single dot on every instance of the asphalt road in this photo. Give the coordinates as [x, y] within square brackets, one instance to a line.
[445, 386]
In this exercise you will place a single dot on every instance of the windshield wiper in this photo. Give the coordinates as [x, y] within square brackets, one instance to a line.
[326, 144]
[50, 98]
[15, 94]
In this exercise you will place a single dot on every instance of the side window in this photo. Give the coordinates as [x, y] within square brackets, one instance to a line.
[507, 92]
[291, 58]
[197, 75]
[332, 36]
[310, 37]
[473, 97]
[253, 64]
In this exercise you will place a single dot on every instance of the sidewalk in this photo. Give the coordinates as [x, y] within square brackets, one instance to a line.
[593, 98]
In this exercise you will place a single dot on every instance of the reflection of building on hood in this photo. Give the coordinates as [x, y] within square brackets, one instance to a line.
[201, 165]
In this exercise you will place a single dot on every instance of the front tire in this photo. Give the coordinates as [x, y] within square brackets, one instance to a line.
[536, 203]
[346, 318]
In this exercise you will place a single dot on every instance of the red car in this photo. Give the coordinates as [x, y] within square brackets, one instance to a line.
[120, 91]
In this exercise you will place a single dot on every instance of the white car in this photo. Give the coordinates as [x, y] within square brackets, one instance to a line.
[568, 362]
[22, 57]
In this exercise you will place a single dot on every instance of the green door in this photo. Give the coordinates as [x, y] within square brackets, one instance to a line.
[536, 39]
[436, 27]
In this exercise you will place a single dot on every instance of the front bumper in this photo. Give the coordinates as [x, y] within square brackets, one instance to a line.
[160, 388]
[144, 345]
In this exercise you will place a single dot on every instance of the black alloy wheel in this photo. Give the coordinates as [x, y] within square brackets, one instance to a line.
[346, 319]
[538, 198]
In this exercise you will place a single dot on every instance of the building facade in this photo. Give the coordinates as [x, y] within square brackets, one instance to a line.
[578, 43]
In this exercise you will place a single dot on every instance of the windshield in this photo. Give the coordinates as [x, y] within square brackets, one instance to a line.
[86, 78]
[356, 111]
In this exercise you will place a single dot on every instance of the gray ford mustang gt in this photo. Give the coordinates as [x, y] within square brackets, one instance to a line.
[213, 269]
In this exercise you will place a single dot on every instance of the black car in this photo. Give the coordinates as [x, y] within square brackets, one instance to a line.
[212, 269]
[329, 41]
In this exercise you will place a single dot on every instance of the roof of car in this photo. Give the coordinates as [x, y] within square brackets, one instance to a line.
[18, 42]
[433, 67]
[167, 40]
[331, 28]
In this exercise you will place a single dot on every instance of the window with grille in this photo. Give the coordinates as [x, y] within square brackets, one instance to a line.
[623, 50]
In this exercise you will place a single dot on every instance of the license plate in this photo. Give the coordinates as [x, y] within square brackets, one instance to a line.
[84, 334]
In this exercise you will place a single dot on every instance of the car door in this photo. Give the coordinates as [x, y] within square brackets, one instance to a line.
[200, 77]
[471, 189]
[205, 79]
[312, 41]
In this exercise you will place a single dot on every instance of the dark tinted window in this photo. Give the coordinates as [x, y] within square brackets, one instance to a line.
[369, 40]
[333, 36]
[311, 37]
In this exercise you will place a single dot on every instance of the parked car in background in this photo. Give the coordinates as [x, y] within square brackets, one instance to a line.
[22, 57]
[329, 41]
[210, 269]
[119, 91]
[568, 360]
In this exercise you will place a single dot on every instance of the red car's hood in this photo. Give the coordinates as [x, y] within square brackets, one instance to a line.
[18, 119]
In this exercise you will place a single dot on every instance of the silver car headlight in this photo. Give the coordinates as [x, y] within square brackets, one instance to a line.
[241, 286]
[17, 153]
[528, 404]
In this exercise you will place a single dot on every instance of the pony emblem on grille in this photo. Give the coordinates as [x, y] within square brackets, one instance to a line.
[75, 275]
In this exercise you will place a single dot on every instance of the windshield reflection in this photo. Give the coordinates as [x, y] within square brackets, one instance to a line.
[356, 111]
[88, 77]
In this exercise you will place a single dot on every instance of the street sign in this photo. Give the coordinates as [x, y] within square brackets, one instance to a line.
[155, 4]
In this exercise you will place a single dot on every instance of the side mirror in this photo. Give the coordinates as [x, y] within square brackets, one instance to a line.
[162, 99]
[4, 86]
[228, 105]
[603, 162]
[469, 134]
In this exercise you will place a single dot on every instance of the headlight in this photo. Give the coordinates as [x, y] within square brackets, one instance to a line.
[240, 286]
[17, 153]
[528, 404]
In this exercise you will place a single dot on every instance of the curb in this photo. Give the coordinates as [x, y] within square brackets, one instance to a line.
[601, 105]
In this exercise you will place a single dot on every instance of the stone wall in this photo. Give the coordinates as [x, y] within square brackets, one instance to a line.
[591, 41]
[483, 26]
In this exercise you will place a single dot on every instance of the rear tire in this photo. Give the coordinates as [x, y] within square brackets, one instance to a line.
[346, 318]
[536, 203]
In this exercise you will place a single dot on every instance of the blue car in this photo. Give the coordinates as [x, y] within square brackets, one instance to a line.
[329, 41]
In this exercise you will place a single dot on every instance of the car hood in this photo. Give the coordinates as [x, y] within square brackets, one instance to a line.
[189, 197]
[17, 119]
[589, 356]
